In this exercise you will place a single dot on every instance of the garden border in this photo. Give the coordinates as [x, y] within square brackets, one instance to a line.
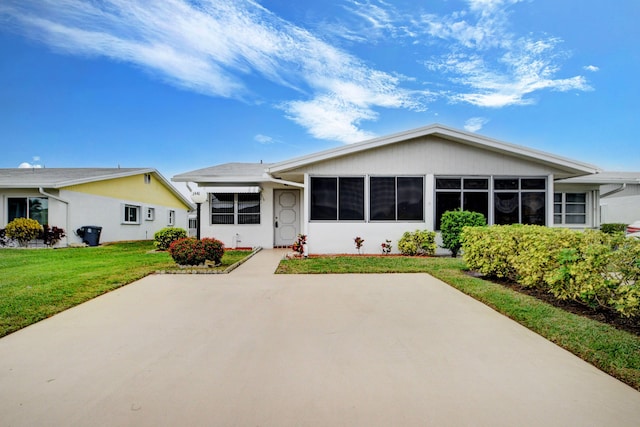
[206, 270]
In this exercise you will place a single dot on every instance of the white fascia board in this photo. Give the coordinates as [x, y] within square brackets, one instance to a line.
[123, 174]
[443, 132]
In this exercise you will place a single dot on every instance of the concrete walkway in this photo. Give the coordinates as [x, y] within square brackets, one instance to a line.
[254, 349]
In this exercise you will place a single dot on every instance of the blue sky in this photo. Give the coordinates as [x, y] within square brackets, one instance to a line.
[180, 85]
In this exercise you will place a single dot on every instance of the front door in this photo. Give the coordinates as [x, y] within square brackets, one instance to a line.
[286, 216]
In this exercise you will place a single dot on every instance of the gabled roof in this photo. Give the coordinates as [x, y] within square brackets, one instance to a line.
[65, 177]
[447, 133]
[231, 172]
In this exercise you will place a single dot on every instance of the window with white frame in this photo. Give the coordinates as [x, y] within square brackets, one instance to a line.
[147, 178]
[171, 220]
[570, 208]
[130, 214]
[28, 207]
[235, 208]
[150, 214]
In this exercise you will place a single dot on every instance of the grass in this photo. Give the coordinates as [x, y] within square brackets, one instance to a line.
[614, 351]
[38, 283]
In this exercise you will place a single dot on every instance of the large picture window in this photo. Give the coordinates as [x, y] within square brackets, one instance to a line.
[509, 200]
[28, 207]
[519, 200]
[396, 198]
[235, 208]
[337, 198]
[467, 193]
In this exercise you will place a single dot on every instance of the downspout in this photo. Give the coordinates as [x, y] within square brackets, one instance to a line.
[285, 182]
[617, 190]
[66, 202]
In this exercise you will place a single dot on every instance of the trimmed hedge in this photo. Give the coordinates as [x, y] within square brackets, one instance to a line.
[613, 228]
[164, 237]
[590, 267]
[420, 242]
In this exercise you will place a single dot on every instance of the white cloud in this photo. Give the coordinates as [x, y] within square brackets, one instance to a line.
[214, 46]
[474, 124]
[488, 65]
[27, 165]
[263, 139]
[591, 68]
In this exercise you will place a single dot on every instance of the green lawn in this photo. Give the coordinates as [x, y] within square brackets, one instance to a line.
[38, 283]
[612, 350]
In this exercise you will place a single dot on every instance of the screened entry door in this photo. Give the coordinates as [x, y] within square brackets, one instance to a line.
[286, 216]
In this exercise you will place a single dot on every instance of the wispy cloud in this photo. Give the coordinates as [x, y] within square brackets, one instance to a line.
[485, 63]
[263, 139]
[216, 47]
[474, 124]
[213, 47]
[591, 68]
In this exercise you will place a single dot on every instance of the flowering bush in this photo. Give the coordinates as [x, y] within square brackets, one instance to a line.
[51, 235]
[386, 247]
[298, 245]
[4, 240]
[163, 238]
[23, 230]
[359, 241]
[214, 249]
[188, 251]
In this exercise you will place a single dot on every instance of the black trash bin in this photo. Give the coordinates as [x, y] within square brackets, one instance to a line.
[90, 234]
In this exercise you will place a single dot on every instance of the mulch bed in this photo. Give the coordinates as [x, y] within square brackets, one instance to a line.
[599, 314]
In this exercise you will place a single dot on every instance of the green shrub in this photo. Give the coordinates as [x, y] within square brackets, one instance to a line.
[188, 251]
[536, 252]
[163, 238]
[23, 230]
[452, 224]
[420, 242]
[625, 269]
[590, 267]
[583, 272]
[487, 250]
[613, 228]
[213, 249]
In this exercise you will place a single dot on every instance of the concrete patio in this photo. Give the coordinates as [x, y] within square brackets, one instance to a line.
[255, 349]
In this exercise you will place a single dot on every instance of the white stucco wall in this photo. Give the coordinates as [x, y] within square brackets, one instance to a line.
[621, 207]
[245, 235]
[106, 212]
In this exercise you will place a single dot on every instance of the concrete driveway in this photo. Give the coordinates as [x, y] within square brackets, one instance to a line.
[255, 349]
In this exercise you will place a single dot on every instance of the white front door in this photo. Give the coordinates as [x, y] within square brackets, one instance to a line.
[286, 216]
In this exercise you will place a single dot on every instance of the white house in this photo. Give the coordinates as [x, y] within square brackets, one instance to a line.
[380, 188]
[619, 195]
[129, 204]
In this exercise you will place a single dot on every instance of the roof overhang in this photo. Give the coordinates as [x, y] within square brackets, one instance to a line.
[232, 189]
[568, 165]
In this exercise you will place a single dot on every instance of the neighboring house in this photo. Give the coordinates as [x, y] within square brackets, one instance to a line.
[129, 204]
[619, 195]
[380, 188]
